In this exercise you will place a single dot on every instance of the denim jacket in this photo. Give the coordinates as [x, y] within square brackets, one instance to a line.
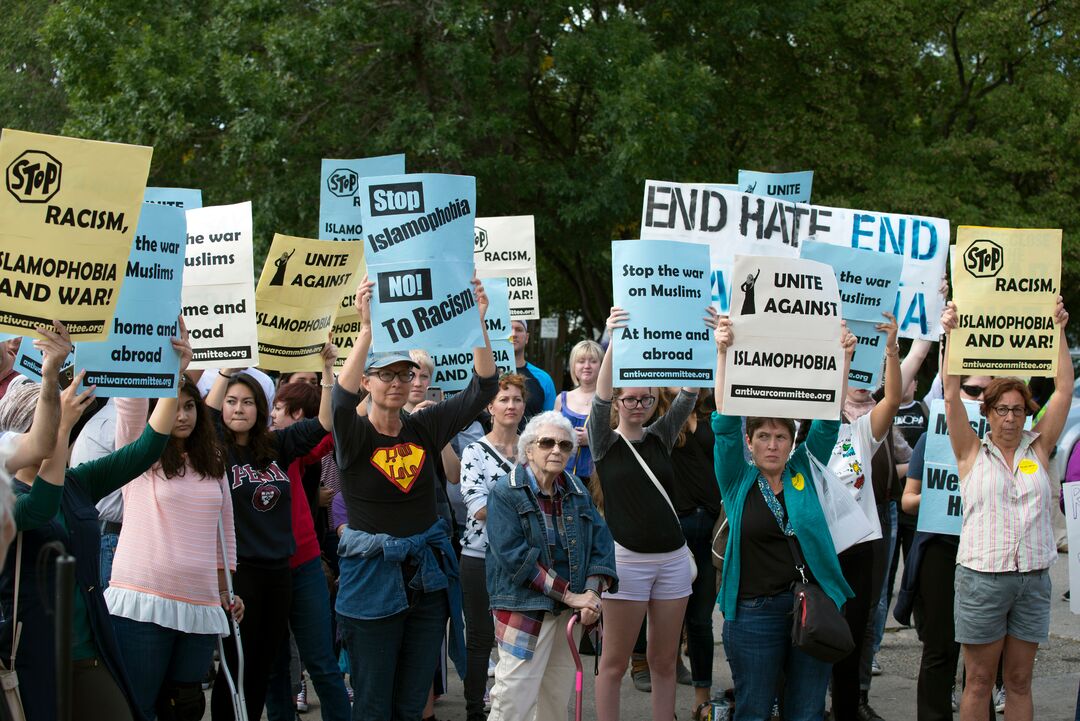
[371, 585]
[516, 542]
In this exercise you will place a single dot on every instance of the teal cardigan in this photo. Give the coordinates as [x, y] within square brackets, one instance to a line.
[737, 478]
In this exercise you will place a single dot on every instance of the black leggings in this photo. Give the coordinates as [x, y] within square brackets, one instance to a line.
[857, 564]
[479, 633]
[267, 596]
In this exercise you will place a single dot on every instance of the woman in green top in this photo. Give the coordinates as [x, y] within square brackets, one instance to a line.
[769, 501]
[55, 504]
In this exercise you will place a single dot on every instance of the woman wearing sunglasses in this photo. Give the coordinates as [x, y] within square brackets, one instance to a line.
[637, 479]
[399, 575]
[550, 556]
[1002, 605]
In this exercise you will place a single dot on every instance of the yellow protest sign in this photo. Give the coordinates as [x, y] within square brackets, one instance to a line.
[347, 323]
[68, 214]
[298, 296]
[1005, 284]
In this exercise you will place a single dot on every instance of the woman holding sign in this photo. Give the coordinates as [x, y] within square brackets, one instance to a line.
[655, 567]
[1002, 603]
[399, 576]
[771, 512]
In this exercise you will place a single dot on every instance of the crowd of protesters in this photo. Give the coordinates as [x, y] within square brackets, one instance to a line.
[367, 534]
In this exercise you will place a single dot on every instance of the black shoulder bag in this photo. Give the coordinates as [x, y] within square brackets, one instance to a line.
[817, 627]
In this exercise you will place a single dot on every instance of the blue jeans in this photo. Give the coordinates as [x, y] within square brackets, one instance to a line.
[760, 654]
[155, 655]
[697, 527]
[108, 550]
[309, 620]
[393, 659]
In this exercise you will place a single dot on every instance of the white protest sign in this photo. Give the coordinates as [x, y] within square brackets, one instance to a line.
[786, 360]
[734, 223]
[219, 287]
[1072, 524]
[506, 248]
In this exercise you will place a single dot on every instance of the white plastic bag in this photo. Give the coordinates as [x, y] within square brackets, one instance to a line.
[848, 525]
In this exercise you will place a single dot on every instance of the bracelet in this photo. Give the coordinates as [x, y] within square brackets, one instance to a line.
[223, 375]
[326, 385]
[893, 352]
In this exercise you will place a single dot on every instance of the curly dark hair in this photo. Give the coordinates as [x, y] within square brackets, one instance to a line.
[261, 441]
[204, 452]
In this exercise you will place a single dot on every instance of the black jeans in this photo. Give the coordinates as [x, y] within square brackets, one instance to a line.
[934, 601]
[267, 596]
[479, 634]
[881, 568]
[905, 534]
[857, 564]
[697, 527]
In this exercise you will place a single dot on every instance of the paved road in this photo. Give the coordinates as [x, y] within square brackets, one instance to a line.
[1057, 671]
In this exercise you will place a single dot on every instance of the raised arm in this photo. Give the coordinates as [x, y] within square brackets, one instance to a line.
[724, 338]
[329, 358]
[483, 358]
[916, 356]
[616, 321]
[961, 435]
[352, 373]
[37, 443]
[163, 418]
[1052, 422]
[882, 415]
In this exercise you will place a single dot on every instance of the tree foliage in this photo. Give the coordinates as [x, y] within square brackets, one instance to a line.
[959, 109]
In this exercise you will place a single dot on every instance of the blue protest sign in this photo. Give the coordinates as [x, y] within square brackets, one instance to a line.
[453, 369]
[137, 360]
[794, 187]
[415, 306]
[340, 200]
[664, 285]
[868, 285]
[28, 360]
[183, 198]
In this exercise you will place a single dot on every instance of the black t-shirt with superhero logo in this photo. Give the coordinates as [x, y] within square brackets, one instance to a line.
[262, 494]
[388, 482]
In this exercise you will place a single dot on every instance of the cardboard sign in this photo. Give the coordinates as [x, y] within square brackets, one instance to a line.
[786, 361]
[183, 198]
[68, 214]
[298, 296]
[732, 223]
[138, 361]
[506, 248]
[219, 290]
[1005, 284]
[868, 283]
[794, 187]
[664, 285]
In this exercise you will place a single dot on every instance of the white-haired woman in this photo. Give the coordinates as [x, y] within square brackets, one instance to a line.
[585, 358]
[551, 556]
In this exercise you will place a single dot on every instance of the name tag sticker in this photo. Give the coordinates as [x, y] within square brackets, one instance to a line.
[1028, 466]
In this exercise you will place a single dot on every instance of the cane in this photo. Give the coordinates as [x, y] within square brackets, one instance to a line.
[578, 674]
[235, 689]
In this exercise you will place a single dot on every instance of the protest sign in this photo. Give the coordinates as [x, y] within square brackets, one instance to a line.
[940, 507]
[1071, 492]
[66, 223]
[794, 187]
[219, 291]
[415, 225]
[786, 361]
[183, 198]
[453, 369]
[138, 361]
[29, 359]
[868, 283]
[505, 247]
[1005, 284]
[497, 318]
[734, 223]
[298, 296]
[664, 285]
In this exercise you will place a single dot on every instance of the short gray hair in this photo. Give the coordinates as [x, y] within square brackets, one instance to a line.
[549, 419]
[18, 405]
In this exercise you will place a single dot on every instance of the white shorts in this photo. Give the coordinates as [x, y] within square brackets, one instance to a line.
[651, 576]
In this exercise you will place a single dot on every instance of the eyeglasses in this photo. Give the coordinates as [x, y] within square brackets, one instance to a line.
[973, 391]
[645, 402]
[1006, 410]
[388, 376]
[546, 444]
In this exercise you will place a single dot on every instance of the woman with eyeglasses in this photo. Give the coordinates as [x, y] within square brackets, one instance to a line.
[1002, 604]
[927, 587]
[399, 576]
[633, 462]
[551, 555]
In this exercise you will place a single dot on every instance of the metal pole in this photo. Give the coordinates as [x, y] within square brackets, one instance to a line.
[65, 601]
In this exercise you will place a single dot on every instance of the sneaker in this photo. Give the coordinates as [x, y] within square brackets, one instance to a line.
[301, 698]
[682, 674]
[491, 668]
[875, 667]
[999, 700]
[348, 690]
[1065, 596]
[955, 702]
[639, 672]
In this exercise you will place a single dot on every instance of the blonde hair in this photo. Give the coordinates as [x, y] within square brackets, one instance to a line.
[421, 356]
[585, 347]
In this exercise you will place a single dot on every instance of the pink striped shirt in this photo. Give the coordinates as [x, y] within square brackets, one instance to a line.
[169, 544]
[1007, 511]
